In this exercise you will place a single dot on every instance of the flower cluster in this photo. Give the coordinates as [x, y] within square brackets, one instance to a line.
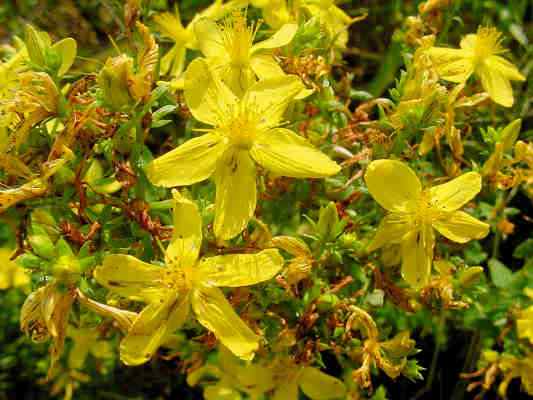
[214, 194]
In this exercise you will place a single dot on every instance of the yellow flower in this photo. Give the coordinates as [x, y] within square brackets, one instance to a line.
[332, 18]
[244, 130]
[186, 281]
[316, 385]
[233, 55]
[11, 274]
[480, 54]
[282, 375]
[171, 27]
[414, 213]
[513, 367]
[275, 12]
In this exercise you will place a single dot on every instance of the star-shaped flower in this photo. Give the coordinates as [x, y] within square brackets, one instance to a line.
[414, 213]
[480, 54]
[171, 27]
[186, 282]
[244, 132]
[231, 52]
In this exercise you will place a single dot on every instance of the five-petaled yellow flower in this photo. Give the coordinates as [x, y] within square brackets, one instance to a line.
[232, 54]
[480, 54]
[281, 376]
[171, 27]
[186, 281]
[414, 213]
[244, 130]
[332, 18]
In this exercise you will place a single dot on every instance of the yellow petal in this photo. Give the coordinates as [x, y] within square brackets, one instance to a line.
[221, 392]
[461, 227]
[454, 65]
[174, 61]
[215, 313]
[236, 194]
[193, 161]
[283, 152]
[238, 78]
[186, 240]
[209, 38]
[496, 84]
[391, 230]
[11, 274]
[506, 68]
[152, 327]
[468, 42]
[417, 256]
[270, 97]
[265, 66]
[208, 99]
[66, 48]
[524, 324]
[130, 277]
[393, 184]
[320, 386]
[21, 277]
[123, 318]
[281, 38]
[454, 194]
[236, 270]
[170, 25]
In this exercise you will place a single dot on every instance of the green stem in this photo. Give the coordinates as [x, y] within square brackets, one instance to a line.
[500, 208]
[162, 205]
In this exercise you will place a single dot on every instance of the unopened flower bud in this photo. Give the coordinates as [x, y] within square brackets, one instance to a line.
[113, 80]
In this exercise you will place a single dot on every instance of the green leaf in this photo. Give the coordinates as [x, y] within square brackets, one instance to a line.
[501, 276]
[66, 49]
[524, 249]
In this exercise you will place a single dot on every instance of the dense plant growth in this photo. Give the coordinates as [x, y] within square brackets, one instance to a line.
[266, 200]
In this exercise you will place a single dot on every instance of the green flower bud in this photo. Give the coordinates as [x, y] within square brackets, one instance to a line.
[510, 133]
[113, 80]
[327, 221]
[326, 302]
[349, 241]
[66, 269]
[41, 243]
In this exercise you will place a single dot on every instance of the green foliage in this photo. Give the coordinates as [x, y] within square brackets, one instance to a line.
[88, 113]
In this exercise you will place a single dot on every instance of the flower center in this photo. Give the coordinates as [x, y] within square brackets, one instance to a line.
[424, 212]
[242, 128]
[487, 44]
[178, 278]
[237, 38]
